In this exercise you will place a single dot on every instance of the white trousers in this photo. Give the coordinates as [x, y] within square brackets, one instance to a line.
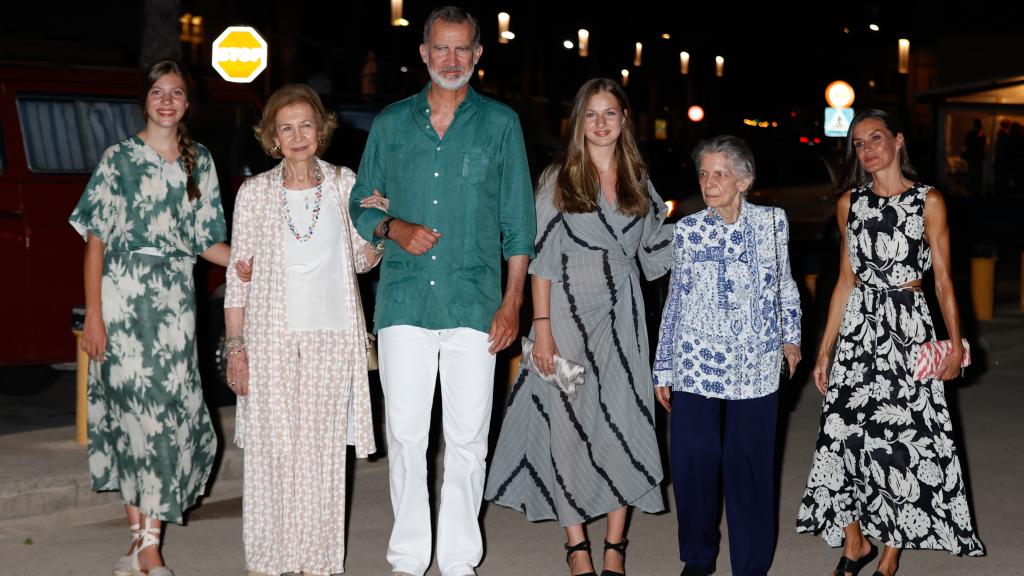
[409, 361]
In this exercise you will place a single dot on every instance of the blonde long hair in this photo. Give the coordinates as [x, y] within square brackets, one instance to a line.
[577, 183]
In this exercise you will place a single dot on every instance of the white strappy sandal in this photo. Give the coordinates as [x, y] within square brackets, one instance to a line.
[123, 565]
[149, 536]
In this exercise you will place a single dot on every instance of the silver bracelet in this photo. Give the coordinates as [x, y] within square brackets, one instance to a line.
[233, 343]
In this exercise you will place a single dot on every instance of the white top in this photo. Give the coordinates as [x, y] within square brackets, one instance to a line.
[314, 284]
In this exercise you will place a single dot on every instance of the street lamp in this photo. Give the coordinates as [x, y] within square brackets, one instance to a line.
[839, 94]
[719, 66]
[396, 14]
[584, 39]
[625, 77]
[684, 63]
[636, 54]
[838, 115]
[904, 56]
[503, 19]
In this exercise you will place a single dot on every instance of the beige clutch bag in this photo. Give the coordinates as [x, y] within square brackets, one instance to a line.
[567, 376]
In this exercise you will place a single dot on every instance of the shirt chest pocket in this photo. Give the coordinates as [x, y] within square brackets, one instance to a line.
[475, 164]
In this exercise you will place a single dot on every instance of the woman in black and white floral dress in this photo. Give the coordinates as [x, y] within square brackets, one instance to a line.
[885, 466]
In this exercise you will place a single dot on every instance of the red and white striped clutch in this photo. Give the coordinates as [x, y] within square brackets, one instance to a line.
[930, 355]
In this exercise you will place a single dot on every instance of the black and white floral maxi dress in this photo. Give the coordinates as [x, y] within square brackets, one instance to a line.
[885, 455]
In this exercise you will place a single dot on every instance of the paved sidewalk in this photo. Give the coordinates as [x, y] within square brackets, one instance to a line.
[72, 531]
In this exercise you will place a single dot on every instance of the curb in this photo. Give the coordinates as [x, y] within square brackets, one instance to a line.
[48, 474]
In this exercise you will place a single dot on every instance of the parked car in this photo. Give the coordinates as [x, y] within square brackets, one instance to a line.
[802, 180]
[55, 122]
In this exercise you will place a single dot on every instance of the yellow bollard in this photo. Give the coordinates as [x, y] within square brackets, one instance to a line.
[811, 281]
[513, 369]
[983, 281]
[81, 403]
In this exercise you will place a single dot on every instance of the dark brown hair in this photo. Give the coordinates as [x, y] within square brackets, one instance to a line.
[185, 148]
[854, 174]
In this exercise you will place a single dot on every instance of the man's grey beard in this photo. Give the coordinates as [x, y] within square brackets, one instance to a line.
[451, 84]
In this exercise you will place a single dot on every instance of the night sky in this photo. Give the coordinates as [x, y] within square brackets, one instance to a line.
[779, 56]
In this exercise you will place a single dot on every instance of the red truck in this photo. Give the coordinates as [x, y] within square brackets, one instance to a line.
[55, 122]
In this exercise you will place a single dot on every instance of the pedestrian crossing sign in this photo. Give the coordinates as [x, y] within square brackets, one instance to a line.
[837, 121]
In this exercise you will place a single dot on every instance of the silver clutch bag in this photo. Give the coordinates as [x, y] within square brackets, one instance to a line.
[566, 377]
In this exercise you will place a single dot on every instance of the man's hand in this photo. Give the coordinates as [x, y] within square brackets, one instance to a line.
[504, 328]
[413, 238]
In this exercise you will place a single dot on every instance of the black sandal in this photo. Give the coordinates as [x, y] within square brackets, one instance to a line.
[855, 566]
[581, 547]
[621, 549]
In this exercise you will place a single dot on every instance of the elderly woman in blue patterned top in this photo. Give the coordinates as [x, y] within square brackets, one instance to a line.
[732, 314]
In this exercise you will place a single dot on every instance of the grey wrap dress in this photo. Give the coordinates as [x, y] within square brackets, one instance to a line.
[576, 459]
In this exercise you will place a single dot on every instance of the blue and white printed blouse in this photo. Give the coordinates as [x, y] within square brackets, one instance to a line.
[720, 328]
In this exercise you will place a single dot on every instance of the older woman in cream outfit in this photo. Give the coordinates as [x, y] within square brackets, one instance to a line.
[296, 342]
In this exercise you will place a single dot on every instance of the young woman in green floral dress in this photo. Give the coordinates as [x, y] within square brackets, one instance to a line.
[152, 205]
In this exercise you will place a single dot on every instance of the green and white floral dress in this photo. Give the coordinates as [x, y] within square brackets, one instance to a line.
[150, 434]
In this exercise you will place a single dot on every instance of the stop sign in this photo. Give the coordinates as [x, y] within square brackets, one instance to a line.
[239, 54]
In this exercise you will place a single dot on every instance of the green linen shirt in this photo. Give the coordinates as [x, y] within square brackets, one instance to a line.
[472, 186]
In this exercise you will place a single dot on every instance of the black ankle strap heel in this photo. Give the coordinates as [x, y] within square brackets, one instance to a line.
[581, 547]
[619, 547]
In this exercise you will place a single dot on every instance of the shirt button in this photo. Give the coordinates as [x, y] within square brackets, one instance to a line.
[431, 282]
[434, 229]
[438, 148]
[432, 257]
[435, 202]
[436, 174]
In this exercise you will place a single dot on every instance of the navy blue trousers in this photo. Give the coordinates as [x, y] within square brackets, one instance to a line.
[739, 455]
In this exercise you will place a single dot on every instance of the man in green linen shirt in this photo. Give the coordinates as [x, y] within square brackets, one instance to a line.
[453, 165]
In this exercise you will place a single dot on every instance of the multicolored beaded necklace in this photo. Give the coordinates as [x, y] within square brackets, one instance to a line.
[316, 205]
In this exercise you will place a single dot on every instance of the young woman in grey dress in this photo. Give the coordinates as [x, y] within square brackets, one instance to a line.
[577, 459]
[151, 207]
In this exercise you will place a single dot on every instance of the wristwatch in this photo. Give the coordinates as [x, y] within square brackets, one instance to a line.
[385, 226]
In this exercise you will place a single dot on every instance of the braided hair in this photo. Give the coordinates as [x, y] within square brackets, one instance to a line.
[185, 147]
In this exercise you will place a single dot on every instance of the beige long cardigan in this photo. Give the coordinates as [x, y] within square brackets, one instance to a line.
[257, 232]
